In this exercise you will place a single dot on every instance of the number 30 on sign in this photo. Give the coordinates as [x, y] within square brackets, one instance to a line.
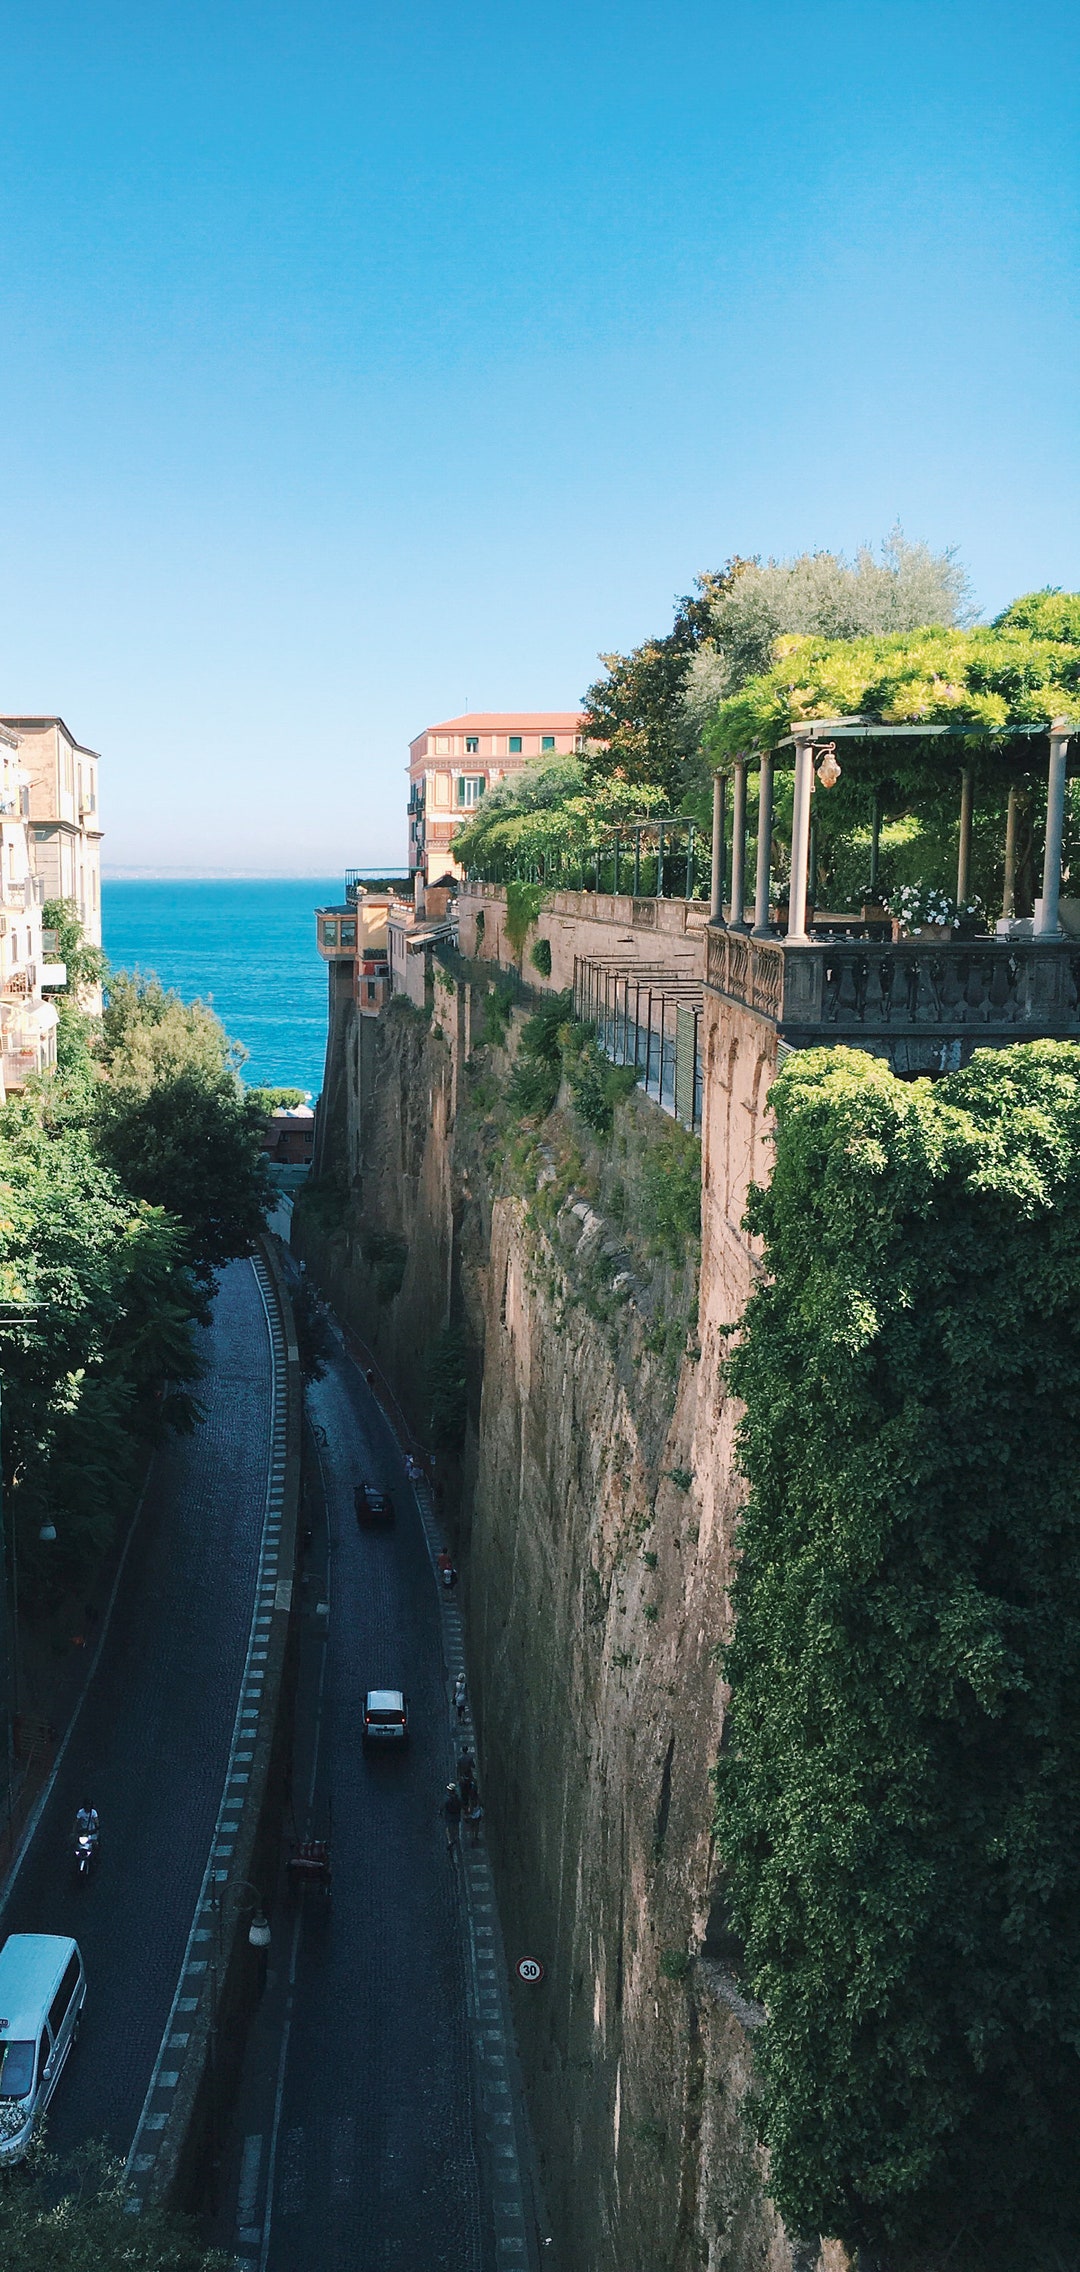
[530, 1968]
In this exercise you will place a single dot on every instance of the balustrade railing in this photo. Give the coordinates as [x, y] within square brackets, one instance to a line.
[849, 986]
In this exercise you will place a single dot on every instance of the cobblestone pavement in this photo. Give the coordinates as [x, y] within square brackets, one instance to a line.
[357, 2100]
[151, 1745]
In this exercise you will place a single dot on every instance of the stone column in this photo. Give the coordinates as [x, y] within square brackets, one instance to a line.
[1008, 896]
[963, 857]
[764, 846]
[737, 917]
[800, 836]
[719, 815]
[1046, 919]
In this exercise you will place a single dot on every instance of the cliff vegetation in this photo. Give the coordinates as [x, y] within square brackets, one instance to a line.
[899, 1790]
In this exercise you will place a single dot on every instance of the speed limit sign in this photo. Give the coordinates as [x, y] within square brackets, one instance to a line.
[530, 1968]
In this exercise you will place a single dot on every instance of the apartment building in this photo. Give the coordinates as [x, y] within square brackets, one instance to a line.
[453, 764]
[64, 814]
[27, 1020]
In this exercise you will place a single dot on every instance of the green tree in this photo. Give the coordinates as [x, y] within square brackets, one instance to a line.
[636, 716]
[899, 1787]
[74, 2217]
[175, 1122]
[107, 1354]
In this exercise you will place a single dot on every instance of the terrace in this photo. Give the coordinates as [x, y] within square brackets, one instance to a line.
[923, 994]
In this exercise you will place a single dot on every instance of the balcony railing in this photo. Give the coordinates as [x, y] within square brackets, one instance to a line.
[1002, 988]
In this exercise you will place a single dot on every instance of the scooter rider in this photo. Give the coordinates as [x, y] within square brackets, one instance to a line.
[86, 1823]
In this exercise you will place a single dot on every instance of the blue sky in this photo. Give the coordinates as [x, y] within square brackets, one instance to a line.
[358, 364]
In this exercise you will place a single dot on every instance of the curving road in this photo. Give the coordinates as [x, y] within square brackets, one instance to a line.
[151, 1745]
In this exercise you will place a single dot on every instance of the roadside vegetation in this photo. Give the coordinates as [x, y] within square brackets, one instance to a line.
[127, 1177]
[89, 2227]
[899, 1788]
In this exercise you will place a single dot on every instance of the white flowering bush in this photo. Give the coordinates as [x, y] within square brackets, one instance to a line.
[916, 904]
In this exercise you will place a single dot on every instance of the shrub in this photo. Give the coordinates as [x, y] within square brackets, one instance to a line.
[534, 1082]
[446, 1381]
[498, 1010]
[899, 1788]
[674, 1964]
[386, 1254]
[522, 909]
[540, 957]
[671, 1182]
[595, 1085]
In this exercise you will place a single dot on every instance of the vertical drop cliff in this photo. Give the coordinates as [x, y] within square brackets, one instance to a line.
[528, 1289]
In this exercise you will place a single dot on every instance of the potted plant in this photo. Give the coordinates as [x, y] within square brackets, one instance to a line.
[921, 911]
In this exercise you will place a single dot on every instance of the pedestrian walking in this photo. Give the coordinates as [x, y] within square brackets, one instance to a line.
[474, 1815]
[470, 1793]
[461, 1698]
[466, 1766]
[452, 1818]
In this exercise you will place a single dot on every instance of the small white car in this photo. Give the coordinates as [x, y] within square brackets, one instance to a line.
[386, 1719]
[42, 1992]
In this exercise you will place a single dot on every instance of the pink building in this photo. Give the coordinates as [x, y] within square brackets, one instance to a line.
[452, 764]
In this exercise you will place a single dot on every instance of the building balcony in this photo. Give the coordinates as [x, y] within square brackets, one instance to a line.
[924, 1004]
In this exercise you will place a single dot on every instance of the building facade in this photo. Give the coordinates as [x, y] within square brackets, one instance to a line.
[28, 1020]
[453, 764]
[64, 815]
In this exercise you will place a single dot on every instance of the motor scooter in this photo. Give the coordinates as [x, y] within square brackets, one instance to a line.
[86, 1844]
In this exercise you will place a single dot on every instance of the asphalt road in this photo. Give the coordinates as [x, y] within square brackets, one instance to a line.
[151, 1745]
[356, 2106]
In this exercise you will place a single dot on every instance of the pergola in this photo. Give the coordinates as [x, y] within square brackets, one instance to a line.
[805, 743]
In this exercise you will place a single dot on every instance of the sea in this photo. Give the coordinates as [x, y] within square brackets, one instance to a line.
[248, 947]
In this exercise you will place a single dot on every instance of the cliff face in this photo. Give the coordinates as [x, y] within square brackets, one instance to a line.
[593, 1492]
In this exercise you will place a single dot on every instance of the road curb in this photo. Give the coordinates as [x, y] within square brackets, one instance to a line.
[221, 1975]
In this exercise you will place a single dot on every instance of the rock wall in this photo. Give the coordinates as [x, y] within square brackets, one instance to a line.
[594, 1493]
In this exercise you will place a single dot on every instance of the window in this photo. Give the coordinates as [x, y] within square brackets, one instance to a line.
[442, 745]
[547, 741]
[470, 788]
[348, 934]
[472, 745]
[515, 745]
[329, 932]
[62, 1999]
[16, 2070]
[441, 789]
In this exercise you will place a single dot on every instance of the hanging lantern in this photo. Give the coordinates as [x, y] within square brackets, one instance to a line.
[828, 771]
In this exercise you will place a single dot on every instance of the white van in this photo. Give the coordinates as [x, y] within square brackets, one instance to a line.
[42, 1992]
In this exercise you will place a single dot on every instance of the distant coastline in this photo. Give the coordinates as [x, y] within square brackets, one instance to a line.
[120, 874]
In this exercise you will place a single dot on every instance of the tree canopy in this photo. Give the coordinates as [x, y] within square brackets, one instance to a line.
[126, 1177]
[545, 817]
[1009, 674]
[899, 1787]
[74, 2217]
[175, 1122]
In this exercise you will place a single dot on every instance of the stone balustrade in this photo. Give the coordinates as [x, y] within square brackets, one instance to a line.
[992, 990]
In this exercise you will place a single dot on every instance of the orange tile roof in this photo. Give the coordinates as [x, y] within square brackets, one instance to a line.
[508, 721]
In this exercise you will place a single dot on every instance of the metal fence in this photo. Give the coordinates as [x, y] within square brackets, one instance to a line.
[648, 1018]
[666, 856]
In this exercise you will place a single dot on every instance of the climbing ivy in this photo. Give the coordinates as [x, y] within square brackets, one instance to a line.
[899, 1788]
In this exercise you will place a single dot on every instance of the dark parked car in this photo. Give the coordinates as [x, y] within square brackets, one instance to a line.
[373, 1505]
